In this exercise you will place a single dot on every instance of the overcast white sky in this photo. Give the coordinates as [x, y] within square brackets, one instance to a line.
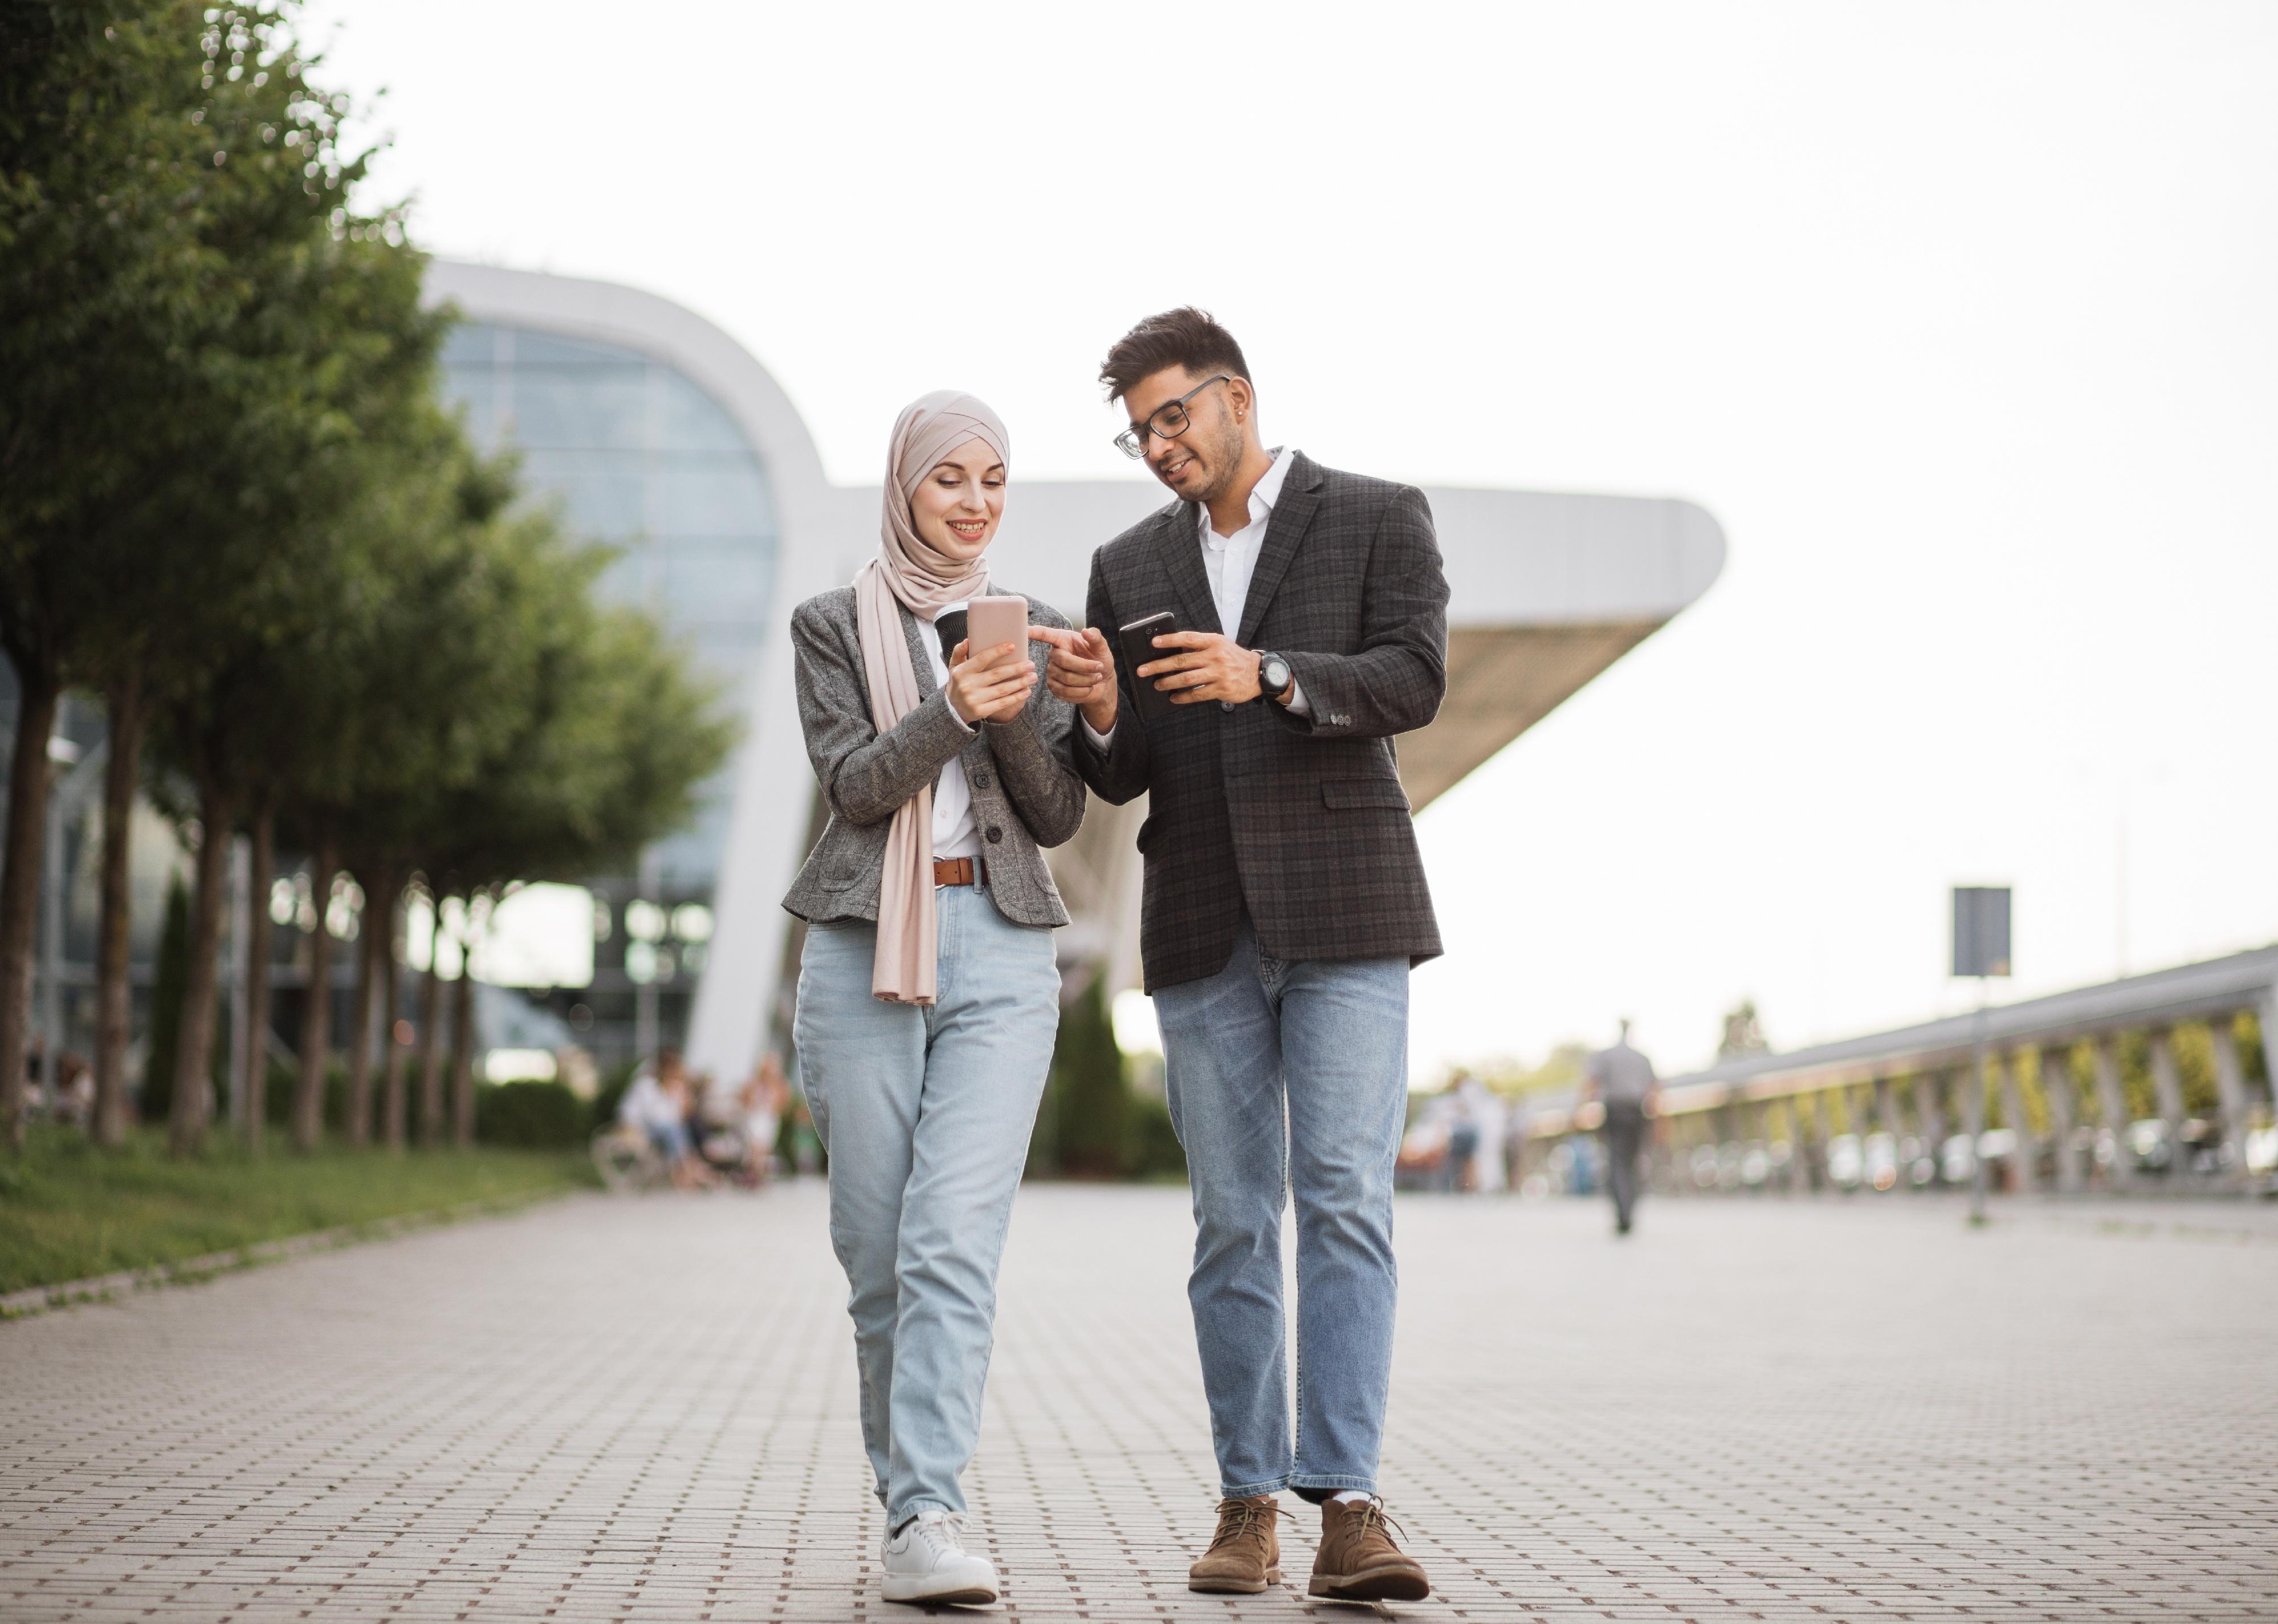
[1958, 316]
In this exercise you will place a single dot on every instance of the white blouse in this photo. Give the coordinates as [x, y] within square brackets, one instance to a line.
[953, 834]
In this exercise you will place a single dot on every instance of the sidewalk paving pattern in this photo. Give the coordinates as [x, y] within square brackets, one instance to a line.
[644, 1409]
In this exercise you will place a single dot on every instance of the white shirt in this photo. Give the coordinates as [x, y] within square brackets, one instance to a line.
[1230, 561]
[953, 834]
[647, 1105]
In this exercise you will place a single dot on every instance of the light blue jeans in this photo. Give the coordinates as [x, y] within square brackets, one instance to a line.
[926, 1113]
[1291, 1076]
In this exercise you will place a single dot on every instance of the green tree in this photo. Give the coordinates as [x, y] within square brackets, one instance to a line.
[383, 693]
[162, 166]
[334, 743]
[229, 501]
[349, 311]
[611, 736]
[415, 703]
[486, 725]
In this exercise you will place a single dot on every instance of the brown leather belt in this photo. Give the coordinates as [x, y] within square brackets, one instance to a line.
[957, 871]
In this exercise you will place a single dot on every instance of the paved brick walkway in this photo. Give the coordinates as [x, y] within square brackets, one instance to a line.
[644, 1409]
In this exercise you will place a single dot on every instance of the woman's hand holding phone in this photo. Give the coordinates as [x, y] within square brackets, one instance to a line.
[991, 686]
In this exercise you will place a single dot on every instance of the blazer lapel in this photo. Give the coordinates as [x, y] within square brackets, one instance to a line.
[1300, 495]
[1178, 545]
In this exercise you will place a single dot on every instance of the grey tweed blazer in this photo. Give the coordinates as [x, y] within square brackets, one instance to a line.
[1026, 793]
[1303, 821]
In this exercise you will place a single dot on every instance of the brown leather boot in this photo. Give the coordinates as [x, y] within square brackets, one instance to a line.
[1245, 1555]
[1357, 1561]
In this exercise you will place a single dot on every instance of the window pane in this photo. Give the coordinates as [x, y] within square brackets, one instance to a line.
[475, 388]
[709, 580]
[604, 491]
[709, 496]
[547, 349]
[574, 407]
[687, 419]
[470, 344]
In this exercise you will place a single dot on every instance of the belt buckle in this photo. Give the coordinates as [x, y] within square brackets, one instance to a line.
[969, 867]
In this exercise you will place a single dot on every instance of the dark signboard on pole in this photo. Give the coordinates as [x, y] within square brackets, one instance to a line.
[1981, 930]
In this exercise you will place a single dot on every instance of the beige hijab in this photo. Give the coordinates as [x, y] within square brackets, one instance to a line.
[911, 571]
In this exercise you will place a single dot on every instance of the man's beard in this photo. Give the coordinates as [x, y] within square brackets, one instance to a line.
[1226, 453]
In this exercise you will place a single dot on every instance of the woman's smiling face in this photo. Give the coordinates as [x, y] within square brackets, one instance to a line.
[958, 503]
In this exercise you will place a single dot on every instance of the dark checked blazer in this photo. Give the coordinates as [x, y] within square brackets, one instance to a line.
[1305, 821]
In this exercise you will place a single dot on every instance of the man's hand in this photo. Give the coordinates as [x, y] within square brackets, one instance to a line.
[1207, 666]
[992, 687]
[1081, 671]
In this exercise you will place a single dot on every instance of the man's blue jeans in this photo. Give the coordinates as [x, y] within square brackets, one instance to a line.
[1291, 1077]
[926, 1113]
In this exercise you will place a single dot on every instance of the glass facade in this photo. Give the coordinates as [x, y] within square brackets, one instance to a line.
[642, 459]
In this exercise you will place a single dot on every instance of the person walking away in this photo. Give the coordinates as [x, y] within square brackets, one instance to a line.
[1284, 904]
[928, 994]
[1621, 1080]
[1462, 1140]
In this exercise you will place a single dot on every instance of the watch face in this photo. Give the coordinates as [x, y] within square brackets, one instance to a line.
[1276, 671]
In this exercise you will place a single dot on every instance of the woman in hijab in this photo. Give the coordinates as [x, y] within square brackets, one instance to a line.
[929, 995]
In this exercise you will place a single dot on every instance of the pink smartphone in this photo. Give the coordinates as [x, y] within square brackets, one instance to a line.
[992, 620]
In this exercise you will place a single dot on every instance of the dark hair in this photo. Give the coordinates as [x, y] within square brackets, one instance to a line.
[1185, 337]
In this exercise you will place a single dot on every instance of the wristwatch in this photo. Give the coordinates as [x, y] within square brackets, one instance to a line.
[1274, 678]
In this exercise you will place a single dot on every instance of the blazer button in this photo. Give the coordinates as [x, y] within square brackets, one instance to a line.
[1226, 704]
[994, 835]
[980, 781]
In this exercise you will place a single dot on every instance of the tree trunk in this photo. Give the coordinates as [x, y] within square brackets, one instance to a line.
[114, 986]
[390, 977]
[208, 897]
[38, 692]
[317, 1019]
[463, 1052]
[430, 1046]
[370, 942]
[252, 1087]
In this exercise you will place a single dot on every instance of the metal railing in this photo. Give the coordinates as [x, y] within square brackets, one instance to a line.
[2057, 1107]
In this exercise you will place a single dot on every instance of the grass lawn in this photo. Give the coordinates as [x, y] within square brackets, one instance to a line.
[69, 1211]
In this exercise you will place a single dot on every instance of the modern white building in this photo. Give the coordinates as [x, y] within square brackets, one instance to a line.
[662, 434]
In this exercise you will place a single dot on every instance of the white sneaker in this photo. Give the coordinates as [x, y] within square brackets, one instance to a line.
[925, 1563]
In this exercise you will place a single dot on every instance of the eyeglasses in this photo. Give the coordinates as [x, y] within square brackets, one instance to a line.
[1168, 422]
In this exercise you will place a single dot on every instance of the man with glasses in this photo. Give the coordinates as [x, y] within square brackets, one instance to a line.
[1284, 906]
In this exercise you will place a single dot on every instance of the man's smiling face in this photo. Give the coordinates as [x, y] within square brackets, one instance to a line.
[1198, 464]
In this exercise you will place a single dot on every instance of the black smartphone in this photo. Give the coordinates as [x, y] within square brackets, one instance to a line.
[1138, 641]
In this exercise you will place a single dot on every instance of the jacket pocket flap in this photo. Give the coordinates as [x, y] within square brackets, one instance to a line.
[1346, 792]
